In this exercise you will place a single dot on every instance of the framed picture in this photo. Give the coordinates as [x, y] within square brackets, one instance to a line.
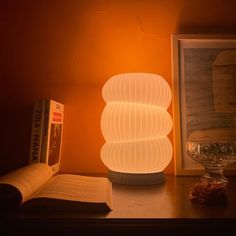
[204, 94]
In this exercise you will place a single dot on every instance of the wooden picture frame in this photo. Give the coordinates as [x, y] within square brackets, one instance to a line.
[199, 65]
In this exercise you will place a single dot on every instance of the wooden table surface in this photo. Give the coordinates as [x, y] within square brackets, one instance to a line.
[162, 209]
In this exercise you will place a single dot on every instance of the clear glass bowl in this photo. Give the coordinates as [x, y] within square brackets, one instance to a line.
[214, 156]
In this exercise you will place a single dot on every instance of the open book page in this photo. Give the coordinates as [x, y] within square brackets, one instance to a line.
[28, 179]
[77, 188]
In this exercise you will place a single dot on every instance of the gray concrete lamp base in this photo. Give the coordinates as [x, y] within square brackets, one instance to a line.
[136, 179]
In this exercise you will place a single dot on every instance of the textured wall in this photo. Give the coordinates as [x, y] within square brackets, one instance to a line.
[67, 50]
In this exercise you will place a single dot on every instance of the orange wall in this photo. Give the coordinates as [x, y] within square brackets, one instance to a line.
[67, 50]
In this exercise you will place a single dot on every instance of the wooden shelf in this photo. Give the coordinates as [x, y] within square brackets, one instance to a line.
[163, 209]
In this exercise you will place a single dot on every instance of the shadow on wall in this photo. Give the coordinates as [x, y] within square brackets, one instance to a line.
[14, 135]
[212, 17]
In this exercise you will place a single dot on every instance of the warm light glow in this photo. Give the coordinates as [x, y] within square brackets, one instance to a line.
[143, 88]
[122, 121]
[146, 156]
[135, 123]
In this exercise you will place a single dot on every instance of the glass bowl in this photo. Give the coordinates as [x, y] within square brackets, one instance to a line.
[214, 156]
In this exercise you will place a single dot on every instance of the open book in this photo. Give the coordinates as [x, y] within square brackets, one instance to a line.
[35, 187]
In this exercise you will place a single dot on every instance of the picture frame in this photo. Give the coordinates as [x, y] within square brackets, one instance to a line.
[204, 96]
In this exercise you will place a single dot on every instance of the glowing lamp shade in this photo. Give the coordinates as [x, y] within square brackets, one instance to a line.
[135, 124]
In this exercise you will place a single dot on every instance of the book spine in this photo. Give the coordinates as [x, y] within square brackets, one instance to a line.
[55, 135]
[36, 133]
[45, 131]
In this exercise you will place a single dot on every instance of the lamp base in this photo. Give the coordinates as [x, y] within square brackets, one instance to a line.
[136, 179]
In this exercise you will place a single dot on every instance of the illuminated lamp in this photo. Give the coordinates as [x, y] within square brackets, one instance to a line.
[135, 124]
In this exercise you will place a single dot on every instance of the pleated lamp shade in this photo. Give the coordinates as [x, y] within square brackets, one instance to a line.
[135, 124]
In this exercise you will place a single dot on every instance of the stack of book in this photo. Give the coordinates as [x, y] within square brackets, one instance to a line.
[46, 138]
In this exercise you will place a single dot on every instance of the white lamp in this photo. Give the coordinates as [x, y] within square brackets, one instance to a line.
[135, 124]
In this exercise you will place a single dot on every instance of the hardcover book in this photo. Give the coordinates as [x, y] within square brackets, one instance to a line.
[34, 187]
[46, 138]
